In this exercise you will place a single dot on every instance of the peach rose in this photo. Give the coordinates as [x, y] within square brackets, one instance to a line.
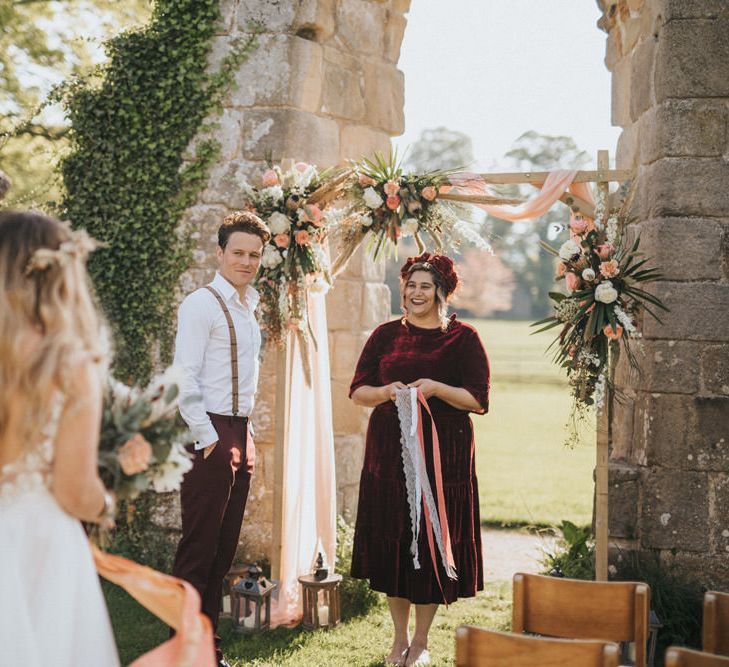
[604, 251]
[612, 335]
[282, 240]
[312, 214]
[429, 193]
[301, 167]
[365, 180]
[393, 201]
[134, 455]
[573, 282]
[578, 225]
[302, 237]
[391, 188]
[269, 178]
[561, 269]
[609, 269]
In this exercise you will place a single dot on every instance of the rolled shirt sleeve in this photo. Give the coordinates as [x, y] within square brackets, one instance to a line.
[194, 322]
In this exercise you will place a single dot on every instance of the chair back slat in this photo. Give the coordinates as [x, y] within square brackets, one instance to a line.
[716, 623]
[476, 647]
[683, 657]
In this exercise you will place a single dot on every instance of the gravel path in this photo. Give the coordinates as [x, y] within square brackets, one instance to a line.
[508, 551]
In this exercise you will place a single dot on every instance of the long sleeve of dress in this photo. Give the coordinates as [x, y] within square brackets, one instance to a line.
[367, 373]
[475, 370]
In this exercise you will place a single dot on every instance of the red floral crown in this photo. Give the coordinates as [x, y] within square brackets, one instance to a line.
[441, 264]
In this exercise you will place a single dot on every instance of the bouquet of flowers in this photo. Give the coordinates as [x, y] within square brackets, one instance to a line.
[386, 204]
[602, 277]
[142, 437]
[292, 203]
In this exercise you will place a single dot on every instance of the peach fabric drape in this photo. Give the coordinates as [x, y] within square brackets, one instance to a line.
[173, 601]
[558, 182]
[309, 488]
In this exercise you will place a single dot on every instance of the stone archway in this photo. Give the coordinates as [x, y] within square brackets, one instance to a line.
[324, 86]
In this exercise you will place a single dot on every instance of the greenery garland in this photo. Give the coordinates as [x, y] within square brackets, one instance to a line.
[125, 177]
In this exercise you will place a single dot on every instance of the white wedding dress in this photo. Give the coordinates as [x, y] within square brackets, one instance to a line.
[52, 611]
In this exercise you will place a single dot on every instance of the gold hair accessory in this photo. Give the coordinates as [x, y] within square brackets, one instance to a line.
[77, 247]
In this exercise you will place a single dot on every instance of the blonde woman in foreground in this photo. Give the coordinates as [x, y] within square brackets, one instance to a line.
[52, 361]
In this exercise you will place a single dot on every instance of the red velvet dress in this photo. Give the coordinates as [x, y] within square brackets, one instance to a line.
[396, 351]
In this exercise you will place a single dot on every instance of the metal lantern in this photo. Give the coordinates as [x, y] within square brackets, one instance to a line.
[231, 579]
[251, 602]
[322, 607]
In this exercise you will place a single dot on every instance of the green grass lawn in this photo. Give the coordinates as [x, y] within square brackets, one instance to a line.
[526, 474]
[359, 641]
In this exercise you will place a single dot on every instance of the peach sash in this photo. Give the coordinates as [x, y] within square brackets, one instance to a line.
[558, 182]
[173, 601]
[309, 489]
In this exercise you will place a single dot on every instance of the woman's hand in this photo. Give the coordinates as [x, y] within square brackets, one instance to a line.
[388, 390]
[429, 387]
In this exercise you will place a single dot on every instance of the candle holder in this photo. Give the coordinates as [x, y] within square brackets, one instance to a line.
[254, 592]
[322, 608]
[235, 574]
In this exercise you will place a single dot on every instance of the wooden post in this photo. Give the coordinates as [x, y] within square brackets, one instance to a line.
[284, 362]
[603, 423]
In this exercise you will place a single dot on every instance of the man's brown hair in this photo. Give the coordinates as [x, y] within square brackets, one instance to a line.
[242, 221]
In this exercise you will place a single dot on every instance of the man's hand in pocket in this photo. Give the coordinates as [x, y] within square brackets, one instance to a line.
[209, 450]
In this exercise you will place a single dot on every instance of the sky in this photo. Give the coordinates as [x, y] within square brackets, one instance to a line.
[494, 69]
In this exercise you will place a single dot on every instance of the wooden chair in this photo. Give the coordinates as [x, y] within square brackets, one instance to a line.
[683, 657]
[716, 623]
[476, 647]
[574, 609]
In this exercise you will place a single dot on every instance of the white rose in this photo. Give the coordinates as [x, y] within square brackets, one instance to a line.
[410, 226]
[372, 199]
[588, 274]
[366, 220]
[569, 249]
[605, 292]
[271, 257]
[279, 223]
[275, 193]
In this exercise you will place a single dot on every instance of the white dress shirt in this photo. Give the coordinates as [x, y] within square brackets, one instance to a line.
[202, 349]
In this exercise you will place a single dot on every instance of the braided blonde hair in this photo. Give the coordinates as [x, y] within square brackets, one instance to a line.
[48, 318]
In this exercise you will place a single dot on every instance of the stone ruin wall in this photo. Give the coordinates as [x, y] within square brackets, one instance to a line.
[322, 87]
[669, 459]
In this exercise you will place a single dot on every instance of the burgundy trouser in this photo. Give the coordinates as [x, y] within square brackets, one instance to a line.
[213, 498]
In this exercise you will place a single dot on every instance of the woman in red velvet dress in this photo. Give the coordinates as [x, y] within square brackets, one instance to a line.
[446, 360]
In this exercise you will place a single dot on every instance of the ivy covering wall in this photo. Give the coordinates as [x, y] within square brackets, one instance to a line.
[125, 178]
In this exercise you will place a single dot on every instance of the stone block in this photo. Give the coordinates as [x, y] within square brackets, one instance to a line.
[342, 95]
[675, 511]
[394, 32]
[316, 19]
[683, 187]
[661, 424]
[290, 133]
[719, 513]
[202, 222]
[715, 370]
[375, 305]
[620, 93]
[166, 511]
[358, 141]
[273, 15]
[627, 155]
[684, 248]
[349, 454]
[284, 70]
[400, 6]
[344, 305]
[642, 65]
[694, 9]
[345, 348]
[623, 498]
[698, 311]
[362, 266]
[692, 128]
[224, 184]
[691, 59]
[708, 571]
[670, 366]
[348, 417]
[708, 434]
[225, 129]
[385, 97]
[359, 26]
[228, 9]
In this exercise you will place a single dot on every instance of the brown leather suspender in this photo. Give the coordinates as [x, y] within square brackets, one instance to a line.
[233, 346]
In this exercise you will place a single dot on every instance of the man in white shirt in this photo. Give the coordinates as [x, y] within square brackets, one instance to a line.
[218, 343]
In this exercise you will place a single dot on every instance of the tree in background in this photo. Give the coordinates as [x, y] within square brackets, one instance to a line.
[440, 148]
[41, 44]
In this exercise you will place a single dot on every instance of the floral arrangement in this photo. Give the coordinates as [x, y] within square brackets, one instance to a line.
[292, 202]
[602, 276]
[385, 204]
[142, 436]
